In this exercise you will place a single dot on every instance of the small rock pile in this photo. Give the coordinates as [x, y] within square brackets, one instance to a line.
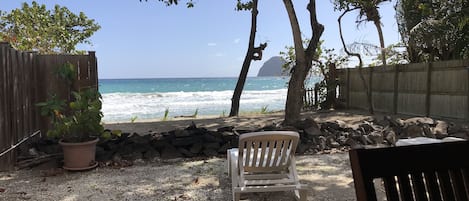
[315, 138]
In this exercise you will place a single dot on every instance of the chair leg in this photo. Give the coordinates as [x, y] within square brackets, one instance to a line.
[301, 195]
[228, 161]
[236, 196]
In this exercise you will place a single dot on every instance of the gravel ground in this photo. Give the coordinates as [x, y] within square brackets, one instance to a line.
[328, 176]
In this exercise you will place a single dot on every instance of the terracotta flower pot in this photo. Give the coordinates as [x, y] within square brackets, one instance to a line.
[79, 156]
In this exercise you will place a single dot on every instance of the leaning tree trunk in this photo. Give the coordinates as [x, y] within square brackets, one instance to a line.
[360, 62]
[381, 40]
[303, 61]
[247, 62]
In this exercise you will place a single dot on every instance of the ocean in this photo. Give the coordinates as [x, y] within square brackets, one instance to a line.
[145, 99]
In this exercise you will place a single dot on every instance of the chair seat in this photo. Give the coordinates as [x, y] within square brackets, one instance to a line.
[265, 162]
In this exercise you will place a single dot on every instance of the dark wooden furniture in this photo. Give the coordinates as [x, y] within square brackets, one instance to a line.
[430, 172]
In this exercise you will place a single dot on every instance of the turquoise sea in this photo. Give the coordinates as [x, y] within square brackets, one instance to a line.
[149, 98]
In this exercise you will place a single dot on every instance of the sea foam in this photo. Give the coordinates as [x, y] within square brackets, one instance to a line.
[121, 107]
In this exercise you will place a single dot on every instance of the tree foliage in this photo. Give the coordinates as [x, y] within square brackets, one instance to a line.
[189, 3]
[368, 12]
[34, 27]
[434, 30]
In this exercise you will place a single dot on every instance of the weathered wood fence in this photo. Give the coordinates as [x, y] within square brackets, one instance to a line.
[438, 89]
[27, 78]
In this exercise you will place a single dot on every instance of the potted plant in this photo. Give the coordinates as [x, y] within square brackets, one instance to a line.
[78, 126]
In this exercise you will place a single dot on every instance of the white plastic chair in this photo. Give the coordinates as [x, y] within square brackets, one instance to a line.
[265, 162]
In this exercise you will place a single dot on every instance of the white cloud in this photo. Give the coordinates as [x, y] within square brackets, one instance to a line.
[212, 44]
[236, 41]
[219, 54]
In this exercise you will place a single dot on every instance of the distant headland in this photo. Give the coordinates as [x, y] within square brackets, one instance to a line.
[272, 67]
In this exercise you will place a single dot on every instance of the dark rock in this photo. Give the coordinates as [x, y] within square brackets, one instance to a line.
[170, 152]
[224, 148]
[151, 154]
[322, 143]
[341, 124]
[160, 145]
[412, 131]
[139, 139]
[212, 145]
[211, 138]
[133, 156]
[352, 143]
[306, 123]
[185, 141]
[332, 143]
[418, 120]
[452, 128]
[441, 128]
[196, 148]
[210, 152]
[390, 136]
[376, 137]
[302, 148]
[181, 133]
[228, 136]
[225, 129]
[330, 126]
[103, 155]
[342, 140]
[192, 126]
[125, 150]
[185, 152]
[366, 127]
[241, 131]
[427, 131]
[393, 122]
[312, 132]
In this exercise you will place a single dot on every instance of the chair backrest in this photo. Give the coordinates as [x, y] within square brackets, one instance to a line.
[437, 171]
[267, 151]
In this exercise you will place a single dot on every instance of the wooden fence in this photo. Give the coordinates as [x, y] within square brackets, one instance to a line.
[438, 89]
[27, 78]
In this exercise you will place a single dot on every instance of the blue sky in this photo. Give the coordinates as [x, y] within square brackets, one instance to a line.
[150, 40]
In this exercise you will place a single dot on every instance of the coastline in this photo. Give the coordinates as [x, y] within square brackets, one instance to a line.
[242, 122]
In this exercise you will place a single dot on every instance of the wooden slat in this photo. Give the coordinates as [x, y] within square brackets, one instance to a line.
[405, 188]
[431, 181]
[465, 176]
[458, 184]
[390, 187]
[263, 154]
[254, 160]
[269, 154]
[445, 185]
[286, 145]
[418, 185]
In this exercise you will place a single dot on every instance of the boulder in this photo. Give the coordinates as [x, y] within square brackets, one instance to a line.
[376, 137]
[305, 123]
[412, 131]
[170, 152]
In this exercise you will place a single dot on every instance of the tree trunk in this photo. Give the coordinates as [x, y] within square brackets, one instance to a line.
[381, 40]
[303, 61]
[247, 62]
[360, 62]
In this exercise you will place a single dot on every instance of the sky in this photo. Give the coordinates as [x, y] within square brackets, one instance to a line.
[150, 40]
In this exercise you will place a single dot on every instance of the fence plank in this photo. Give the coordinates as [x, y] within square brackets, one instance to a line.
[25, 79]
[439, 89]
[3, 105]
